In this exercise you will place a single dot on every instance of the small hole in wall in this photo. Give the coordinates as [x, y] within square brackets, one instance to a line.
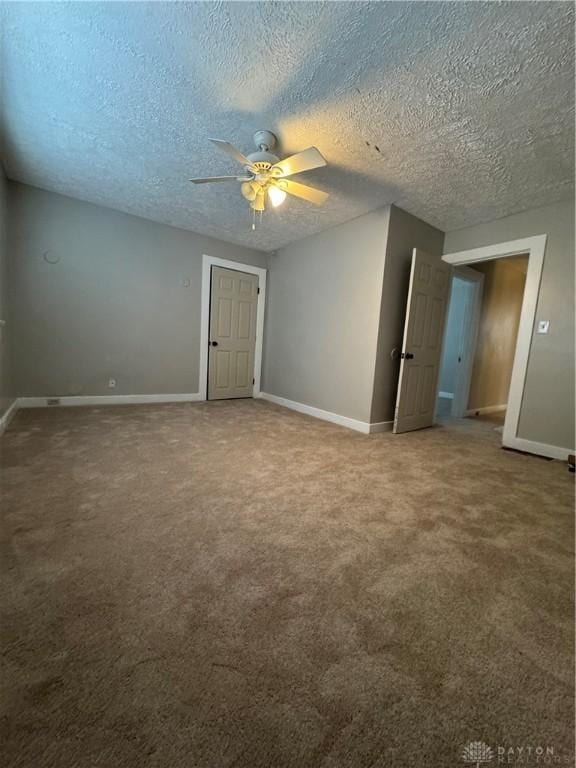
[50, 257]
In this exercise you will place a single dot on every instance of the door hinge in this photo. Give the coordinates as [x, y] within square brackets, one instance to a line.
[253, 381]
[258, 290]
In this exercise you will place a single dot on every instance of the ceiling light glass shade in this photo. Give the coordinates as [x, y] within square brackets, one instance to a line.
[277, 196]
[249, 190]
[259, 203]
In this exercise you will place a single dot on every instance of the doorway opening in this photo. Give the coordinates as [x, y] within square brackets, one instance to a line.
[535, 248]
[480, 339]
[421, 355]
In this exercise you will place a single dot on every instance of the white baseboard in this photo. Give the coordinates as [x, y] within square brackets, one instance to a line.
[380, 426]
[540, 449]
[8, 415]
[45, 402]
[446, 395]
[487, 409]
[516, 443]
[344, 421]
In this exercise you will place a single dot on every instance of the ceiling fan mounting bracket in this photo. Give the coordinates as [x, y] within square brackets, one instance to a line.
[265, 140]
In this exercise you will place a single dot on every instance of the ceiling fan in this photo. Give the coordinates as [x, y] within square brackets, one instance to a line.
[264, 178]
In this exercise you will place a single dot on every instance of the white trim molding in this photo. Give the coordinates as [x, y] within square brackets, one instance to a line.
[93, 400]
[380, 426]
[365, 427]
[541, 449]
[8, 415]
[71, 400]
[535, 248]
[207, 263]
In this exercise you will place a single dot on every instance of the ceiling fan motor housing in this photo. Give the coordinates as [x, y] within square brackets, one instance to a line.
[263, 160]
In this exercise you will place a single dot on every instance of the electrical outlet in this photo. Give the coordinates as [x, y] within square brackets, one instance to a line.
[112, 383]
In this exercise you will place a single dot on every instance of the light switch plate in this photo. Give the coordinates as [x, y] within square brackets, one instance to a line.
[543, 326]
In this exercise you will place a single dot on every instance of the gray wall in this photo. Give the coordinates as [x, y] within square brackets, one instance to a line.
[7, 392]
[405, 232]
[323, 313]
[113, 306]
[547, 414]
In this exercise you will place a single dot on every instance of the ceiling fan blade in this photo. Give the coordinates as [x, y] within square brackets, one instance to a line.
[209, 179]
[231, 150]
[306, 160]
[311, 194]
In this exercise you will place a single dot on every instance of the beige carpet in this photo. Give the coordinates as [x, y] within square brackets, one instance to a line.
[234, 585]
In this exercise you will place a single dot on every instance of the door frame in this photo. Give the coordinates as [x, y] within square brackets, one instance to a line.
[464, 378]
[213, 261]
[535, 248]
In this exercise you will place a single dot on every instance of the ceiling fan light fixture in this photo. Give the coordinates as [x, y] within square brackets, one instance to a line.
[249, 190]
[265, 176]
[276, 195]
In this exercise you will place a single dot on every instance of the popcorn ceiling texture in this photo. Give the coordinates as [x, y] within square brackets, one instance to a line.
[469, 104]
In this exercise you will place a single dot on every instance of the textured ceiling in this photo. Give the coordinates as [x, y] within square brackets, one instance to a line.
[457, 112]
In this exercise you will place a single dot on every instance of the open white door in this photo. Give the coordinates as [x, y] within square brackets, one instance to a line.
[428, 296]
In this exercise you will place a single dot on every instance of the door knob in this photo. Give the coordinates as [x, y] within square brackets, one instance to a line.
[214, 343]
[407, 356]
